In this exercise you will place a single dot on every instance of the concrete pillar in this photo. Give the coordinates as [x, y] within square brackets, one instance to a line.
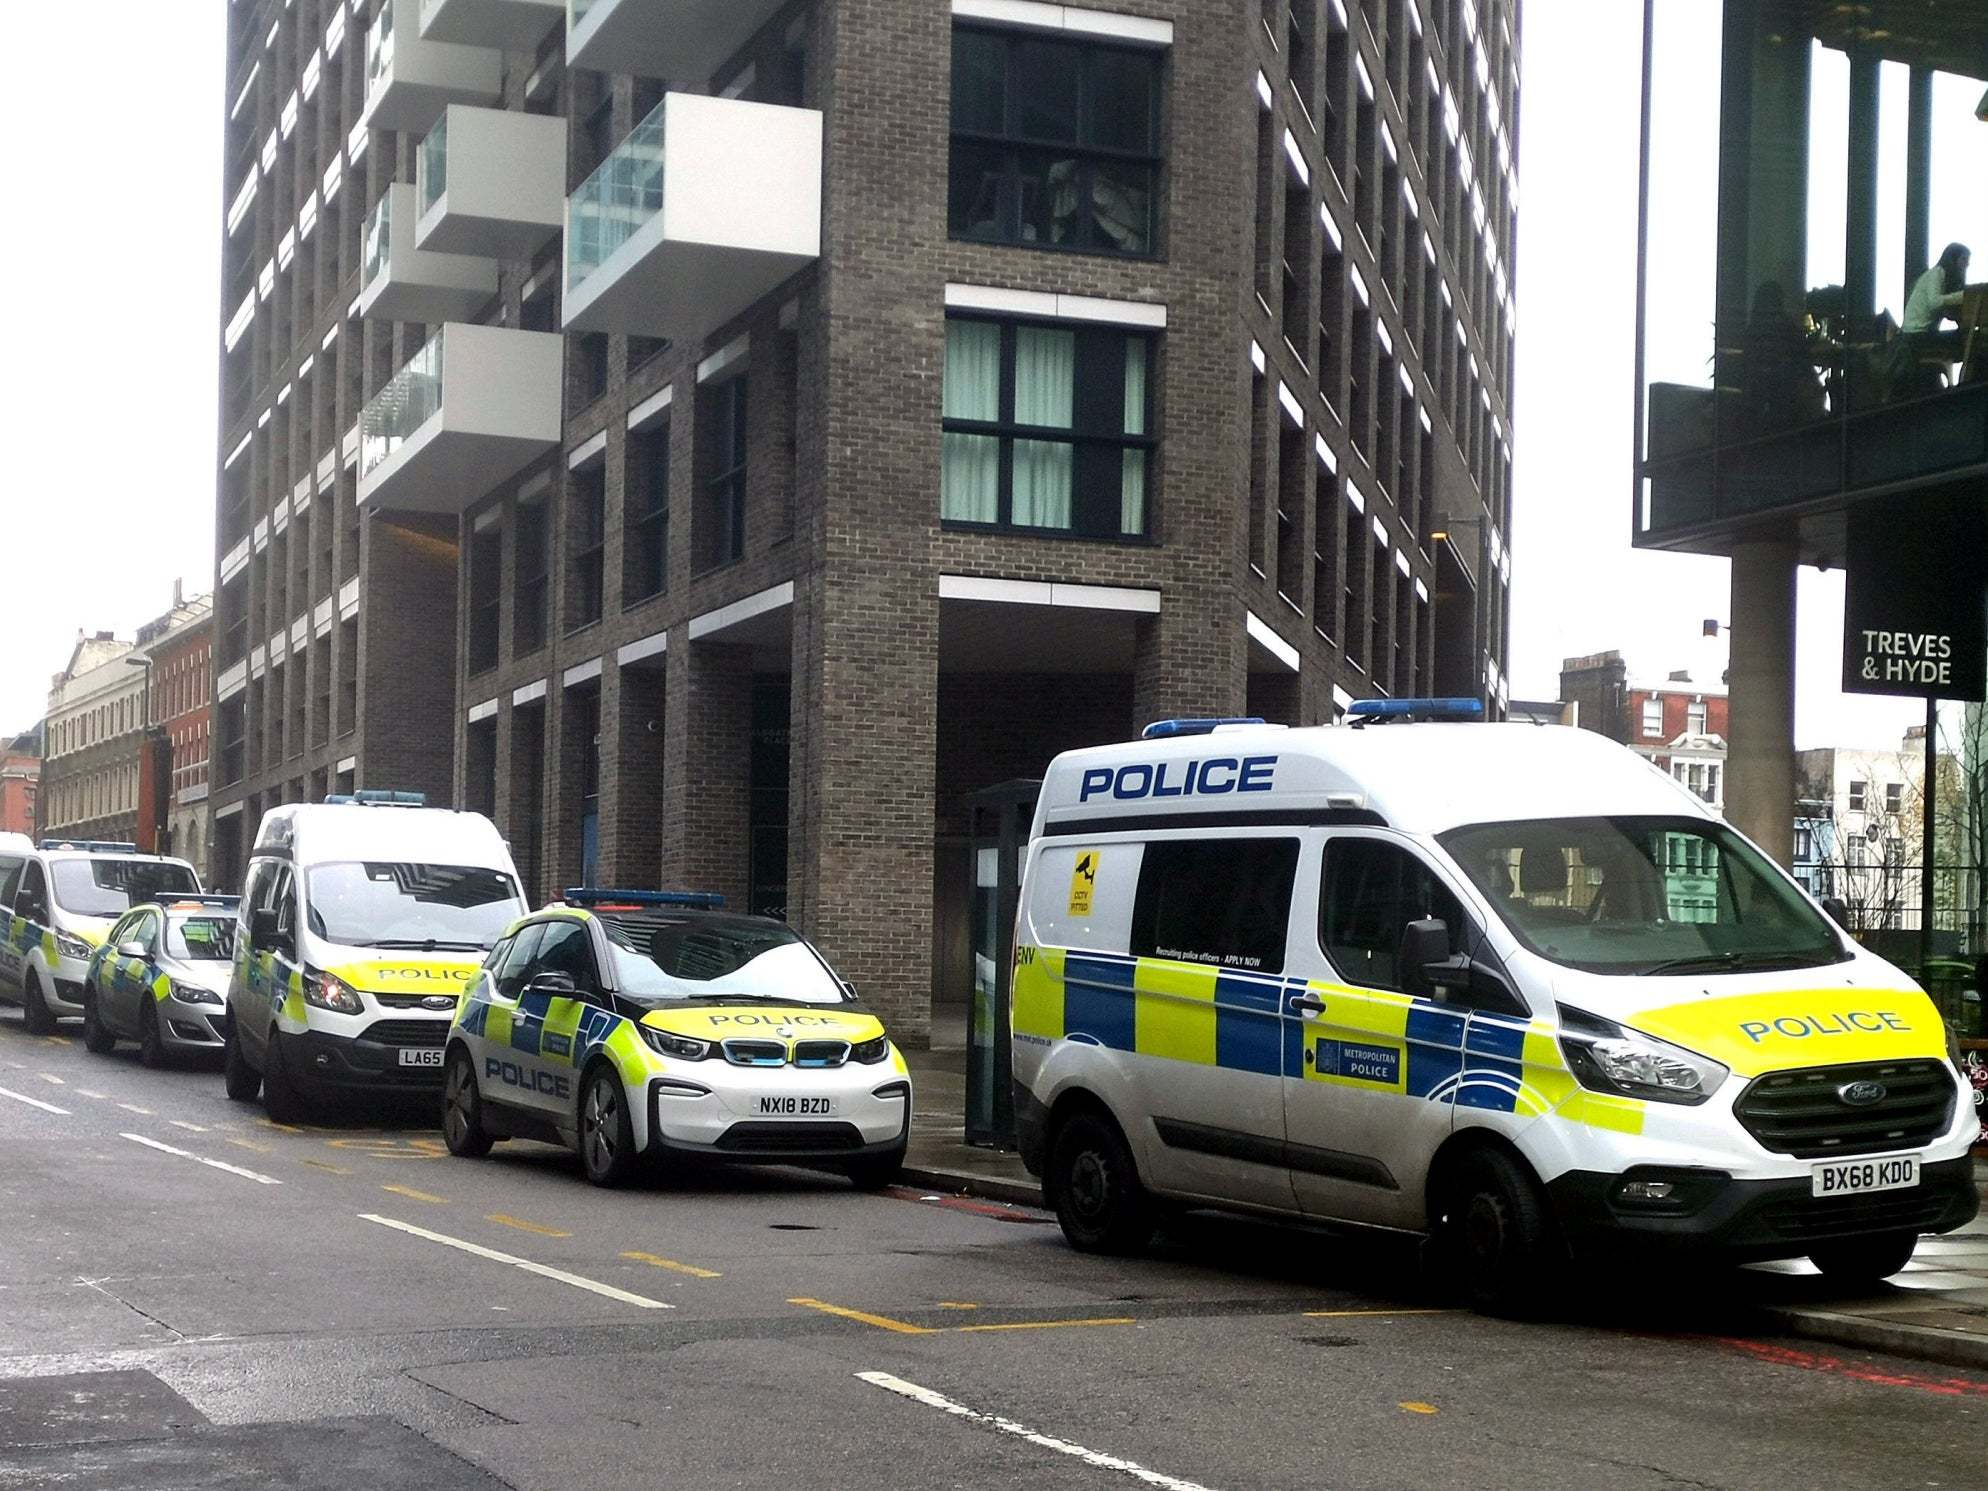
[1760, 772]
[1860, 250]
[1918, 177]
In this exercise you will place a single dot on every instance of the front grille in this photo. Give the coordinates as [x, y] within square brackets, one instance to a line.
[789, 1138]
[755, 1053]
[407, 1032]
[1803, 1114]
[412, 1001]
[820, 1053]
[1808, 1218]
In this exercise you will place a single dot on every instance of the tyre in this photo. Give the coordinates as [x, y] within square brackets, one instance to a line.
[242, 1080]
[151, 1039]
[875, 1171]
[1865, 1260]
[607, 1134]
[34, 1005]
[1501, 1239]
[462, 1109]
[1094, 1186]
[282, 1099]
[97, 1036]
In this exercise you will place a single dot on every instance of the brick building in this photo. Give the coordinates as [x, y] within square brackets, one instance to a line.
[95, 732]
[717, 438]
[1681, 725]
[173, 786]
[20, 778]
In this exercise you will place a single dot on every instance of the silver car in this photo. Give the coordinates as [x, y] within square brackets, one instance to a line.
[161, 979]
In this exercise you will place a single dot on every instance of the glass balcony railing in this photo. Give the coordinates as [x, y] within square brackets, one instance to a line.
[411, 398]
[611, 205]
[579, 11]
[379, 242]
[379, 46]
[432, 169]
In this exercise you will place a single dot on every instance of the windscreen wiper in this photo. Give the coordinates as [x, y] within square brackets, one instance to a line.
[1730, 962]
[428, 944]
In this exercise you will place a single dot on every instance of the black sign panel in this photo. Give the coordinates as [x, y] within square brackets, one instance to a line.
[1915, 616]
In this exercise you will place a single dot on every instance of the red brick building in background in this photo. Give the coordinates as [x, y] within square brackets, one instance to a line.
[1680, 724]
[20, 776]
[172, 789]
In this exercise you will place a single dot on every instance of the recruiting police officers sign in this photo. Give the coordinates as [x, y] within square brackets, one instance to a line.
[1915, 613]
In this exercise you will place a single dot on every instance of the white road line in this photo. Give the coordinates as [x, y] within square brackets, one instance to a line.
[267, 1180]
[84, 1092]
[544, 1271]
[191, 1128]
[21, 1097]
[1097, 1458]
[134, 1108]
[47, 1078]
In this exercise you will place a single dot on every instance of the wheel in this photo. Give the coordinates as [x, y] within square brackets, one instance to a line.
[607, 1136]
[97, 1037]
[34, 1005]
[462, 1109]
[242, 1080]
[1865, 1260]
[152, 1040]
[281, 1098]
[1094, 1186]
[1502, 1241]
[874, 1172]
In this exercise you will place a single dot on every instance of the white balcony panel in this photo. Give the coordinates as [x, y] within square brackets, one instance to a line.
[405, 283]
[472, 409]
[508, 25]
[683, 41]
[491, 181]
[410, 80]
[707, 206]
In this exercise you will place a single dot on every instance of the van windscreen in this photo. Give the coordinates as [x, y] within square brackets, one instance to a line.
[111, 887]
[389, 903]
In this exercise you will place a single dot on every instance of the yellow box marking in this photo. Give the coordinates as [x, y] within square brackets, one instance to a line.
[1084, 882]
[1350, 1314]
[502, 1220]
[250, 1144]
[1418, 1407]
[673, 1266]
[955, 1304]
[881, 1322]
[1041, 1325]
[325, 1165]
[414, 1195]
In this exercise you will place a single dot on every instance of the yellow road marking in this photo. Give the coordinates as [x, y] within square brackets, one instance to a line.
[1039, 1325]
[56, 1040]
[1419, 1407]
[673, 1266]
[250, 1144]
[954, 1304]
[270, 1123]
[414, 1195]
[322, 1165]
[523, 1226]
[881, 1322]
[1348, 1314]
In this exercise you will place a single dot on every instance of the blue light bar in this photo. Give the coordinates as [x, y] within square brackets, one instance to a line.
[1168, 729]
[588, 895]
[218, 903]
[376, 797]
[90, 846]
[1387, 709]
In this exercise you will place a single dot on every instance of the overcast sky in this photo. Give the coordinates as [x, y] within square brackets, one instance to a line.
[113, 351]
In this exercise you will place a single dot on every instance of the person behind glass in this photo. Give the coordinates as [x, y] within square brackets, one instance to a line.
[1777, 373]
[1935, 298]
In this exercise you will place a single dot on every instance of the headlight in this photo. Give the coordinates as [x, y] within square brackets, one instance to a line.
[1604, 1057]
[194, 994]
[329, 992]
[71, 947]
[870, 1052]
[683, 1047]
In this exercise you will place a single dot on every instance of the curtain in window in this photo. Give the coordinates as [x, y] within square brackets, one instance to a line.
[1045, 389]
[1132, 479]
[970, 469]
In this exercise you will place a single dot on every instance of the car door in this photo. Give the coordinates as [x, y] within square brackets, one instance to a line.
[135, 975]
[1380, 1070]
[113, 977]
[488, 1023]
[542, 1027]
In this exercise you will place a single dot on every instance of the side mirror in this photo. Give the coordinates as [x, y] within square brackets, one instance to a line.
[1838, 912]
[133, 948]
[1424, 962]
[262, 926]
[559, 985]
[848, 988]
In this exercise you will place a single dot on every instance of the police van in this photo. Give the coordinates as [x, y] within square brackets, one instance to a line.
[362, 920]
[58, 900]
[654, 1025]
[1506, 986]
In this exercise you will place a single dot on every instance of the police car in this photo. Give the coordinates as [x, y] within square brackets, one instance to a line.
[161, 979]
[57, 903]
[1506, 985]
[653, 1025]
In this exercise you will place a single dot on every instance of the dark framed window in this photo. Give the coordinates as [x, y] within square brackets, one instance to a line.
[1372, 891]
[486, 584]
[533, 583]
[719, 532]
[586, 545]
[1220, 901]
[1055, 143]
[648, 514]
[1048, 427]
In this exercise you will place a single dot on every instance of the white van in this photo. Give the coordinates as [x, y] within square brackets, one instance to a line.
[57, 903]
[1509, 986]
[363, 919]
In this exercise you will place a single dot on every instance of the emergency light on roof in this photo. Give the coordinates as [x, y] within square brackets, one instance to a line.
[91, 846]
[631, 900]
[378, 798]
[1421, 709]
[204, 903]
[1168, 729]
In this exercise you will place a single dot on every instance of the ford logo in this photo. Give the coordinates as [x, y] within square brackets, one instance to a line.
[444, 1002]
[1862, 1094]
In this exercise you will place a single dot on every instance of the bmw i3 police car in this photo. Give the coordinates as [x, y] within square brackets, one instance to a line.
[653, 1025]
[161, 979]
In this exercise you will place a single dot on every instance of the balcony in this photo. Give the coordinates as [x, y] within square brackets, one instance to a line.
[472, 409]
[410, 80]
[491, 182]
[708, 205]
[683, 41]
[507, 25]
[403, 282]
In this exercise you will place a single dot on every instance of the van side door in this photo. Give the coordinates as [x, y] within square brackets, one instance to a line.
[12, 928]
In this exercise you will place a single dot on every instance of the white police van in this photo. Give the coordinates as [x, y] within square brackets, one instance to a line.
[1508, 986]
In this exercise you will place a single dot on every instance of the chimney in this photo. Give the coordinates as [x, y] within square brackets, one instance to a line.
[179, 592]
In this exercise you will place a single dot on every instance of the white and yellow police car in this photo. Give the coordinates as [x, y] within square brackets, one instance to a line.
[161, 979]
[57, 903]
[653, 1025]
[1508, 985]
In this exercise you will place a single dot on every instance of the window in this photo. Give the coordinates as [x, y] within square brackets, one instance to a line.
[1047, 427]
[648, 508]
[586, 545]
[397, 904]
[1653, 717]
[719, 529]
[1694, 717]
[1220, 901]
[533, 582]
[512, 958]
[1055, 143]
[1373, 890]
[1894, 797]
[563, 949]
[590, 367]
[486, 583]
[1858, 792]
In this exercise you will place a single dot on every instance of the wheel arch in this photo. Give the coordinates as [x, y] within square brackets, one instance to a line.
[1456, 1152]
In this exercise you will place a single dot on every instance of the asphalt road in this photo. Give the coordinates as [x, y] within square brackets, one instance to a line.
[193, 1297]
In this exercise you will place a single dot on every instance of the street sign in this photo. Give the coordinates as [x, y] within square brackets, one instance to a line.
[1915, 612]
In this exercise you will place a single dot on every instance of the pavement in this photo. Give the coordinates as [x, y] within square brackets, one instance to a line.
[1936, 1310]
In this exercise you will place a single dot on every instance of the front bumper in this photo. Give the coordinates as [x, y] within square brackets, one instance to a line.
[718, 1128]
[1751, 1220]
[68, 999]
[190, 1027]
[356, 1064]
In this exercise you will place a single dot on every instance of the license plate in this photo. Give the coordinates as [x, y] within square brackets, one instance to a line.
[767, 1107]
[421, 1056]
[1856, 1177]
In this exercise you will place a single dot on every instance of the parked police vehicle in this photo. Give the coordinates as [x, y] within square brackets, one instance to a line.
[1508, 985]
[654, 1025]
[362, 920]
[161, 979]
[57, 903]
